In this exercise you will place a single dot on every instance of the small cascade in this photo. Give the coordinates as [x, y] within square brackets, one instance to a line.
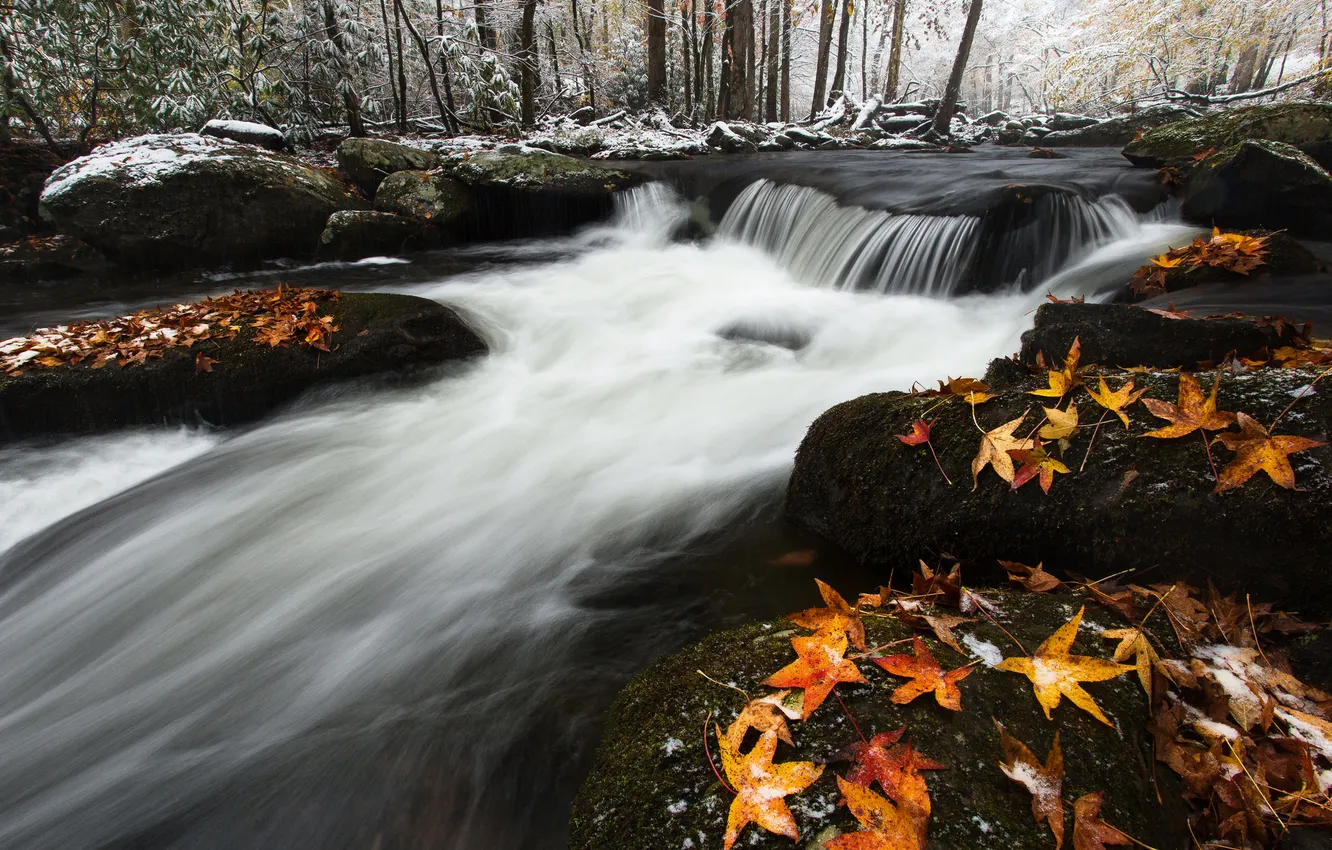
[1021, 241]
[823, 242]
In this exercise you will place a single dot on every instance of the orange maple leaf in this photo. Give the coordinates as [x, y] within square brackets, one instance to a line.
[1066, 378]
[1192, 412]
[203, 363]
[1089, 832]
[896, 769]
[764, 714]
[761, 786]
[926, 675]
[818, 669]
[1255, 449]
[1044, 782]
[1116, 401]
[1055, 674]
[886, 826]
[837, 615]
[994, 448]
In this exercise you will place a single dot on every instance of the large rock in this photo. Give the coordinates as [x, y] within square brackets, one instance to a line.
[1261, 184]
[1062, 121]
[1137, 504]
[189, 200]
[378, 333]
[355, 234]
[1125, 335]
[366, 162]
[245, 131]
[1117, 131]
[1307, 126]
[651, 785]
[1284, 257]
[429, 195]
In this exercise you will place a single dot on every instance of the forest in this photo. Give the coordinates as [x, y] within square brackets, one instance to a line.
[78, 71]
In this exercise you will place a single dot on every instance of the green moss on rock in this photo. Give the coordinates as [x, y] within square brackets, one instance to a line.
[366, 162]
[1307, 126]
[651, 786]
[534, 170]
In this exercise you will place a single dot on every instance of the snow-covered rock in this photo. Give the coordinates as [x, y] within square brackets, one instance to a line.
[187, 200]
[245, 131]
[723, 138]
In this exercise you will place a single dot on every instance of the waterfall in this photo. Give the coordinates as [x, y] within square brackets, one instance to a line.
[1020, 241]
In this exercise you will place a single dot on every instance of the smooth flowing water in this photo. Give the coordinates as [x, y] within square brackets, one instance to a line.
[396, 619]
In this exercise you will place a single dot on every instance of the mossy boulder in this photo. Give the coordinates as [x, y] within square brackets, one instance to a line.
[1130, 504]
[1307, 126]
[1113, 132]
[1259, 183]
[651, 786]
[1284, 257]
[378, 333]
[366, 162]
[355, 234]
[432, 196]
[183, 200]
[1125, 335]
[527, 169]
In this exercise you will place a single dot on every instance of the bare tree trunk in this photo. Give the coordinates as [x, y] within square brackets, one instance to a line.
[709, 35]
[656, 51]
[484, 32]
[774, 28]
[351, 98]
[864, 53]
[686, 50]
[827, 15]
[402, 71]
[425, 57]
[786, 60]
[697, 48]
[751, 78]
[895, 51]
[388, 51]
[527, 63]
[451, 116]
[943, 118]
[589, 81]
[839, 78]
[554, 58]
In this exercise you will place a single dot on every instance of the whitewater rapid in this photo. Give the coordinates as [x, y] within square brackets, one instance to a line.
[421, 559]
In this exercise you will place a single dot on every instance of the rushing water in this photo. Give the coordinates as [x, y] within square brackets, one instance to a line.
[396, 619]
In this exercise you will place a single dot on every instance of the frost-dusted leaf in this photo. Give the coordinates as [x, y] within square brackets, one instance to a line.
[1116, 401]
[1256, 450]
[767, 714]
[1089, 831]
[886, 826]
[761, 787]
[1193, 411]
[1045, 782]
[818, 669]
[1055, 674]
[926, 675]
[838, 614]
[994, 448]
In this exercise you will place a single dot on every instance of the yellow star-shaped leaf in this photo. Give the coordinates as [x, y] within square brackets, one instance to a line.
[761, 786]
[994, 449]
[1055, 674]
[1116, 401]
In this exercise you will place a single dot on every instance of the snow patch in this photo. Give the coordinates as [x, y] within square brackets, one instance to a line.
[671, 746]
[984, 650]
[677, 807]
[139, 161]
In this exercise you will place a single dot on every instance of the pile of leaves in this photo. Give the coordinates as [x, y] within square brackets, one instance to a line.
[1038, 454]
[1234, 252]
[272, 317]
[1251, 743]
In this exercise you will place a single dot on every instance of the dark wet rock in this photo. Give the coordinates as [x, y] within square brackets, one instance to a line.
[1034, 135]
[1138, 504]
[188, 200]
[1010, 134]
[247, 132]
[1264, 184]
[379, 333]
[367, 162]
[651, 786]
[780, 334]
[997, 118]
[782, 141]
[355, 234]
[1062, 121]
[1044, 153]
[1307, 126]
[1285, 257]
[1127, 335]
[1119, 130]
[427, 195]
[584, 115]
[806, 137]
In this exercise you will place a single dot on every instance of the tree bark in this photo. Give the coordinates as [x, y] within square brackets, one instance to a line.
[527, 63]
[943, 118]
[774, 28]
[402, 71]
[388, 51]
[895, 52]
[786, 60]
[554, 58]
[736, 87]
[451, 116]
[425, 57]
[589, 81]
[351, 98]
[484, 32]
[827, 15]
[686, 49]
[709, 36]
[843, 29]
[656, 51]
